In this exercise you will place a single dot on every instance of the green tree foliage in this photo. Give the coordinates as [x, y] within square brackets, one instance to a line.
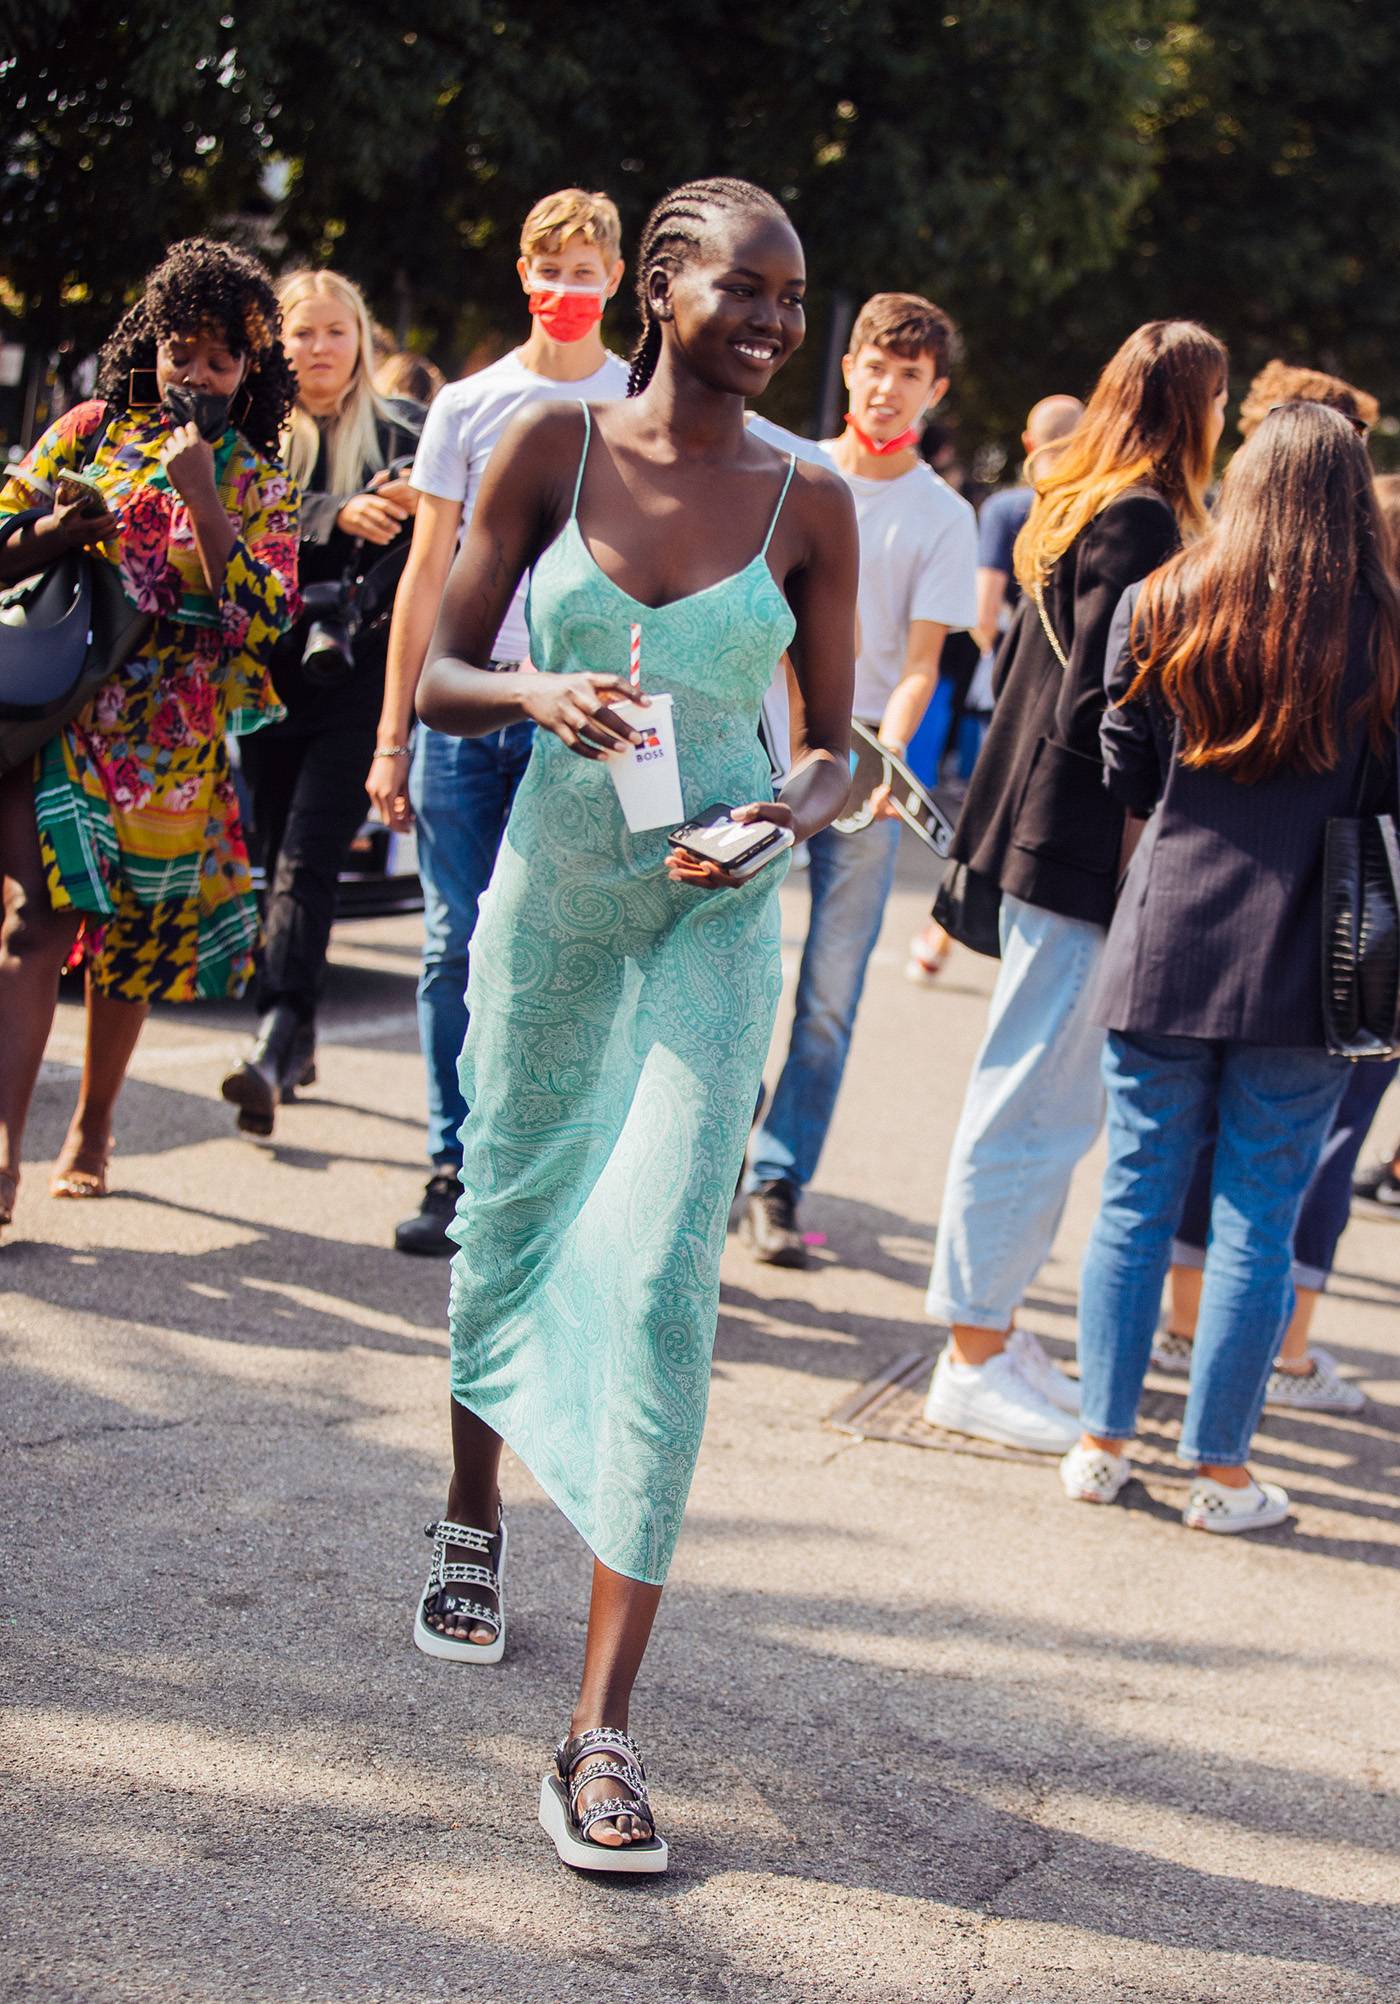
[1274, 212]
[1051, 174]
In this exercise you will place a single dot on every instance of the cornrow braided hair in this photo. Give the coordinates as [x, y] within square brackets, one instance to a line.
[199, 285]
[673, 237]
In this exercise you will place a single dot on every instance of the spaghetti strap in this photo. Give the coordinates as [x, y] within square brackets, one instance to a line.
[792, 461]
[583, 461]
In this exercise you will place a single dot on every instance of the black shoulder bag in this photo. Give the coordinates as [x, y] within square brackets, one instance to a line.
[62, 633]
[1361, 934]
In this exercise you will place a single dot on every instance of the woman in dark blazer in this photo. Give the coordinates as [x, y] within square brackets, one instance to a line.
[1253, 700]
[1039, 833]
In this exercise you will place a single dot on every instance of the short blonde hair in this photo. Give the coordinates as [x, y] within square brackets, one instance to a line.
[572, 212]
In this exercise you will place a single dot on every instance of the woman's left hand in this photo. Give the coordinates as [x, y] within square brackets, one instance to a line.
[683, 868]
[189, 465]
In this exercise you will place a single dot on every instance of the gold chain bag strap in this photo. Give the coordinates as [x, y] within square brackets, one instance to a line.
[1059, 653]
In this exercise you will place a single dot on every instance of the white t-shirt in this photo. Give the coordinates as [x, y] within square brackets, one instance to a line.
[918, 560]
[463, 424]
[775, 723]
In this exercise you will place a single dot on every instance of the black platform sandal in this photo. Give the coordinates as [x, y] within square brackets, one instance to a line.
[602, 1751]
[438, 1600]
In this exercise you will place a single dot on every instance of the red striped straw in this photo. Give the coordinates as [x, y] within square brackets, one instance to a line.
[634, 668]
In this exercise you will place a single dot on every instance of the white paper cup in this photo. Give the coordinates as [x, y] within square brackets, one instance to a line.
[648, 776]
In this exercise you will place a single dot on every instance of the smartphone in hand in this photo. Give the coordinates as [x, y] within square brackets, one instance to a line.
[75, 490]
[740, 847]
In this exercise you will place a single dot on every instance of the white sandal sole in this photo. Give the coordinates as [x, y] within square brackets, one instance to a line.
[586, 1856]
[446, 1647]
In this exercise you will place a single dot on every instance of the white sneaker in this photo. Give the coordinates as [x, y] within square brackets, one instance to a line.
[1210, 1506]
[1041, 1372]
[1172, 1353]
[1093, 1475]
[993, 1401]
[1323, 1389]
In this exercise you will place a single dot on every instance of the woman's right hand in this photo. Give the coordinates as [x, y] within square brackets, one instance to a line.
[576, 708]
[371, 517]
[387, 787]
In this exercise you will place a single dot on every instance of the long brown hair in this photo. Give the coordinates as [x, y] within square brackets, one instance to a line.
[1244, 635]
[1147, 423]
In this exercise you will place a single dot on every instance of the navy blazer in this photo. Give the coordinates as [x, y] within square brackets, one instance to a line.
[1218, 931]
[1036, 819]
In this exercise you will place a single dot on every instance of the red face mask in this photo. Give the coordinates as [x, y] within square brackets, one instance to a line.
[867, 444]
[567, 312]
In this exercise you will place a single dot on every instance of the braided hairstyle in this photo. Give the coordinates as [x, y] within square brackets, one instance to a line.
[198, 285]
[674, 237]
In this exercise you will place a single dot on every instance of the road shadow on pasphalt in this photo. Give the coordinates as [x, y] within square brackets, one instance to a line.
[239, 1746]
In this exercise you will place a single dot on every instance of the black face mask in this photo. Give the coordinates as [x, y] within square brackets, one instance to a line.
[205, 409]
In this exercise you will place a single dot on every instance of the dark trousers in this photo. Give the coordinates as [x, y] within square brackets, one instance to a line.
[307, 780]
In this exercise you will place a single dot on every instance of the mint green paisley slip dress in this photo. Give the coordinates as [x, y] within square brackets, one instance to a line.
[619, 1025]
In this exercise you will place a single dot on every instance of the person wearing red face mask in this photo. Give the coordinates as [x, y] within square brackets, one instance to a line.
[458, 791]
[918, 562]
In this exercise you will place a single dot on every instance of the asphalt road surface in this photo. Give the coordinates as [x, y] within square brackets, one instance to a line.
[919, 1730]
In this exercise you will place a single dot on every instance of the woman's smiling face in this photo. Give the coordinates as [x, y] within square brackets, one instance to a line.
[736, 311]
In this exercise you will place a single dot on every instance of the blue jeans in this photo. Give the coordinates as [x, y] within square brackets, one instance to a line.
[1327, 1205]
[1032, 1108]
[460, 790]
[1272, 1107]
[850, 878]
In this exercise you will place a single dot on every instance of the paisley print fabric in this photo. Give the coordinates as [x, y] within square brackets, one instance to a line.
[619, 1026]
[137, 813]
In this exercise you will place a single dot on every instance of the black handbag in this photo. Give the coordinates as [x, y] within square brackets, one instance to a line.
[1361, 937]
[968, 907]
[62, 633]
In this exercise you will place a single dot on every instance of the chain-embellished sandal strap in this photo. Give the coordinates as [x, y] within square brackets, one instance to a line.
[600, 1740]
[444, 1533]
[459, 1575]
[614, 1806]
[463, 1610]
[606, 1770]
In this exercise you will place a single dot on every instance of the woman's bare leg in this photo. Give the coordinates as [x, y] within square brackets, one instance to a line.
[620, 1616]
[112, 1030]
[35, 940]
[473, 1498]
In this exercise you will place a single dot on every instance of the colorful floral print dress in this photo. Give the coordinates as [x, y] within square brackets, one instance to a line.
[137, 814]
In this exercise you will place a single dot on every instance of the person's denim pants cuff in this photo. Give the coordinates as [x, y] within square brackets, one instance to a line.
[942, 1309]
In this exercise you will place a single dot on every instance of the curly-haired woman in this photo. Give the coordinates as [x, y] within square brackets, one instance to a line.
[123, 836]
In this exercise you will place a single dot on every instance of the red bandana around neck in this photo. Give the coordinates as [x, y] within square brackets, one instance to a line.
[867, 444]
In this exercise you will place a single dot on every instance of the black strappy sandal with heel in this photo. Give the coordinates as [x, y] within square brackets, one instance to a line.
[602, 1752]
[439, 1600]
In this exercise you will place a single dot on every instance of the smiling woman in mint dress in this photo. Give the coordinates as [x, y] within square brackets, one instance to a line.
[622, 998]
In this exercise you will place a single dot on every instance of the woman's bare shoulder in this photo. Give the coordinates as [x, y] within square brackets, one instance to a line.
[823, 500]
[543, 435]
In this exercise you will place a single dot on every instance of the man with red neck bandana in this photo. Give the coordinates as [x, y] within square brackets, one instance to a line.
[458, 791]
[918, 581]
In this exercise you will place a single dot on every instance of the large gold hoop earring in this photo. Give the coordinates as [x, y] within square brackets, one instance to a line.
[134, 398]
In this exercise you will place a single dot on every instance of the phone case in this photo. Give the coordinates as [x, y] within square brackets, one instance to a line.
[740, 847]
